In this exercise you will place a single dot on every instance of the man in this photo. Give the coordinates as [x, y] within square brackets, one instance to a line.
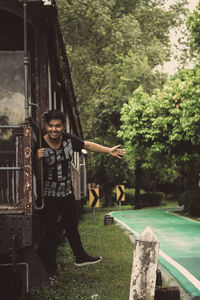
[57, 152]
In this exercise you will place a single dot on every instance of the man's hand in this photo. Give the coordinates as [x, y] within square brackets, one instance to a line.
[40, 153]
[115, 151]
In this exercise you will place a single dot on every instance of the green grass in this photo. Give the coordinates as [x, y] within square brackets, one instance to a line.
[110, 278]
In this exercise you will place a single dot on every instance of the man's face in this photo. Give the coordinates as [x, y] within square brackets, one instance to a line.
[54, 128]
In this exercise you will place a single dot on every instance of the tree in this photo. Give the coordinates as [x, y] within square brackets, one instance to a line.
[114, 47]
[104, 169]
[161, 132]
[193, 25]
[115, 44]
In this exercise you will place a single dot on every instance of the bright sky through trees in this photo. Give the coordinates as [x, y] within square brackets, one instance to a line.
[171, 66]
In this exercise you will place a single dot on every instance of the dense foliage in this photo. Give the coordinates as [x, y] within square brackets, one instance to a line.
[193, 24]
[161, 132]
[191, 201]
[113, 48]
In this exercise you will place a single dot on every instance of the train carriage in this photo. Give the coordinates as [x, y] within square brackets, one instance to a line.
[34, 78]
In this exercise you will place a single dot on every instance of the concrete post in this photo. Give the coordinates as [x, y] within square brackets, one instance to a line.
[145, 262]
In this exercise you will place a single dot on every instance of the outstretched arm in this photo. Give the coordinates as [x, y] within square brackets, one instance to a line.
[114, 151]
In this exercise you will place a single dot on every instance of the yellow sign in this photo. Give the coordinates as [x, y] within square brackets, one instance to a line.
[120, 193]
[94, 197]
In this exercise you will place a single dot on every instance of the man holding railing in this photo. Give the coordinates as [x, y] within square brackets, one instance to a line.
[57, 152]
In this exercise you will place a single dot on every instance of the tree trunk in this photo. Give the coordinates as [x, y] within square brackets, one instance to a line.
[190, 175]
[138, 176]
[107, 191]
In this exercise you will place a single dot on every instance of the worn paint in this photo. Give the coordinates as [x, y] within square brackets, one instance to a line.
[28, 171]
[145, 261]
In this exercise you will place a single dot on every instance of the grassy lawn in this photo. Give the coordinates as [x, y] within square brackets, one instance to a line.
[110, 278]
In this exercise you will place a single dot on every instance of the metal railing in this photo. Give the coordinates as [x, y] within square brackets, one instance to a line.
[9, 182]
[11, 126]
[10, 170]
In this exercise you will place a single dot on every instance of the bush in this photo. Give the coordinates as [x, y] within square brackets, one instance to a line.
[152, 199]
[147, 199]
[191, 201]
[129, 196]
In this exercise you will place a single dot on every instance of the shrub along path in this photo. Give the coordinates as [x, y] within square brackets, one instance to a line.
[179, 242]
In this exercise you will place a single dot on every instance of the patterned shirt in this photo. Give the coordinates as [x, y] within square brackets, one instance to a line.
[57, 166]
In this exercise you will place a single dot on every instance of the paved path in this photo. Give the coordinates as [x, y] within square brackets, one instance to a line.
[179, 242]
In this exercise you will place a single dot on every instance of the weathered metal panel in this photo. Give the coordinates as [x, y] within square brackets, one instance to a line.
[11, 31]
[43, 71]
[28, 182]
[15, 231]
[11, 6]
[20, 158]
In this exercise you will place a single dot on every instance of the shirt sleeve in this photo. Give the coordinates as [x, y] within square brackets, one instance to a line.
[77, 143]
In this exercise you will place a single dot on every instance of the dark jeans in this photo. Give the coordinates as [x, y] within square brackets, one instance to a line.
[66, 207]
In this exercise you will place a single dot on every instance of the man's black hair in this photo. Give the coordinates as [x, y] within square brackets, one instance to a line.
[54, 115]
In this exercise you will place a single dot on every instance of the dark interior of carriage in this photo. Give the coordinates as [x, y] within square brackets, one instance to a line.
[11, 116]
[11, 105]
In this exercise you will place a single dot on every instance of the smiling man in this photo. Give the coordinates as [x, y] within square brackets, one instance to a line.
[57, 153]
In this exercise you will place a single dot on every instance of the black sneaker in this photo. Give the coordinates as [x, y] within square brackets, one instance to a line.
[87, 260]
